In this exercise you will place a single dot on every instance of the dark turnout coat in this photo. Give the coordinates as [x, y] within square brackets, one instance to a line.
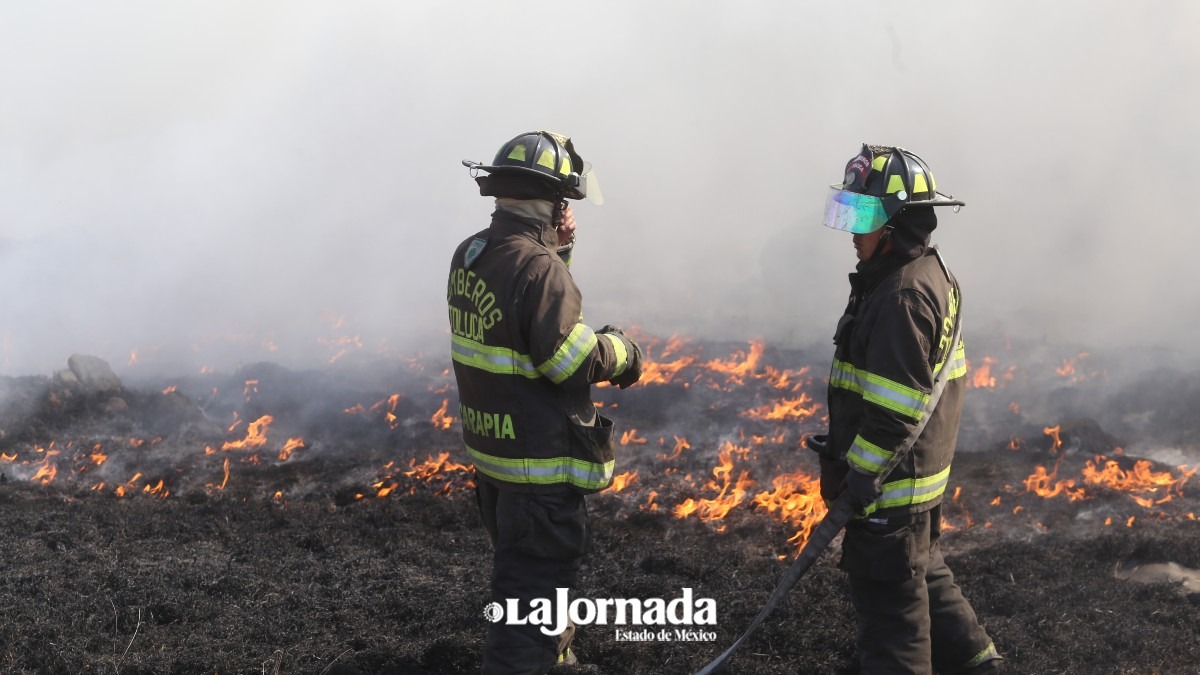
[524, 361]
[893, 338]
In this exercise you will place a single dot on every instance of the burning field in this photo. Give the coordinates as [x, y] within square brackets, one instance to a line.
[323, 521]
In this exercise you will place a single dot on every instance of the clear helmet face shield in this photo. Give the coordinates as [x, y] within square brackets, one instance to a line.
[589, 185]
[853, 212]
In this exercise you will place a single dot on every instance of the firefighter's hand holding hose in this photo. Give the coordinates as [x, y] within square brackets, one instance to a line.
[633, 358]
[862, 488]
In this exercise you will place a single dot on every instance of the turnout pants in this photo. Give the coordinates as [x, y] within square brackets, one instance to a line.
[539, 541]
[912, 617]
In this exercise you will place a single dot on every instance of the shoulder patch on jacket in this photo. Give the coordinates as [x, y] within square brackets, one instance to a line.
[474, 250]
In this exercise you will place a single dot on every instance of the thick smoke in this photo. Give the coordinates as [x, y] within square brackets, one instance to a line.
[206, 182]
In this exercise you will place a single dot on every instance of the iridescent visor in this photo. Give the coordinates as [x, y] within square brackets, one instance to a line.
[852, 212]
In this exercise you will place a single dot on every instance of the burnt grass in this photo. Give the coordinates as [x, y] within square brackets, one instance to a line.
[298, 566]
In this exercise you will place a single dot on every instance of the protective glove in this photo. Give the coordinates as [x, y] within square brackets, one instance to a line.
[633, 359]
[818, 443]
[864, 490]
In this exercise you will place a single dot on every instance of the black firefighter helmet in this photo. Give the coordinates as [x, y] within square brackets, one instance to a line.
[544, 165]
[879, 182]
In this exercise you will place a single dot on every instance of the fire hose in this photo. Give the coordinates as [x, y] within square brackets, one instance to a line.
[833, 522]
[841, 511]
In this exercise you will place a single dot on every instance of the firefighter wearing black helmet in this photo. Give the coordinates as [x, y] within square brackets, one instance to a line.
[524, 361]
[897, 335]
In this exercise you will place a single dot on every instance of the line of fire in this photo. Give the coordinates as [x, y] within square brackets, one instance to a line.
[713, 433]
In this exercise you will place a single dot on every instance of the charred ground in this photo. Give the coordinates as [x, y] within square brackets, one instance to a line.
[349, 557]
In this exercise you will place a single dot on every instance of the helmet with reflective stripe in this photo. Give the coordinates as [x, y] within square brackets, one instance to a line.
[879, 182]
[541, 154]
[898, 177]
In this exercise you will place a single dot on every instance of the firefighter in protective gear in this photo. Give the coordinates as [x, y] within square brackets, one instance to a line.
[896, 336]
[525, 362]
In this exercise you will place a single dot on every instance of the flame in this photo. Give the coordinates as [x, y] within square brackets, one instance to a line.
[390, 416]
[133, 357]
[782, 379]
[1043, 484]
[46, 472]
[250, 388]
[622, 481]
[1053, 432]
[157, 489]
[7, 458]
[740, 364]
[681, 444]
[795, 500]
[291, 446]
[650, 505]
[1140, 479]
[224, 481]
[982, 377]
[256, 435]
[440, 469]
[631, 436]
[785, 409]
[1014, 408]
[729, 494]
[440, 419]
[169, 390]
[1067, 369]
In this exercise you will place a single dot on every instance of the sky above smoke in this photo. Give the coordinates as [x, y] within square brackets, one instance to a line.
[211, 182]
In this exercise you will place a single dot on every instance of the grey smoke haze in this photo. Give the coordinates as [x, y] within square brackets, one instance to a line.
[195, 180]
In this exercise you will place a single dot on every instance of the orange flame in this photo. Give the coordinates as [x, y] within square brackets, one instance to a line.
[1053, 432]
[681, 444]
[292, 445]
[256, 435]
[729, 494]
[441, 469]
[795, 500]
[440, 419]
[740, 364]
[1043, 484]
[622, 481]
[982, 377]
[1140, 479]
[650, 505]
[226, 479]
[785, 409]
[631, 436]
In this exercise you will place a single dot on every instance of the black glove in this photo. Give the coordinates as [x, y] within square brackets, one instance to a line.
[633, 359]
[818, 443]
[863, 489]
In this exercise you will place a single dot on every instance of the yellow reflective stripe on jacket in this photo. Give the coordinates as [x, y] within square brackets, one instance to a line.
[879, 390]
[909, 491]
[868, 456]
[499, 360]
[622, 354]
[577, 472]
[957, 366]
[573, 350]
